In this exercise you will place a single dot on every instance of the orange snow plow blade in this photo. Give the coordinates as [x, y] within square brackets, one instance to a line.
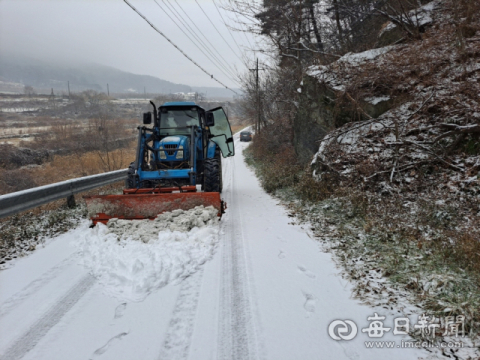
[102, 208]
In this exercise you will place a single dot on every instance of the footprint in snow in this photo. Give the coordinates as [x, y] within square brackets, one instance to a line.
[120, 310]
[307, 272]
[309, 302]
[281, 255]
[109, 343]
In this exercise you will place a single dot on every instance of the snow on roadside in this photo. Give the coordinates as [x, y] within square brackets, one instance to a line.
[131, 259]
[420, 17]
[333, 74]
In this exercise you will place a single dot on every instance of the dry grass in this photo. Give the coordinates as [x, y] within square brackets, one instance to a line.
[64, 167]
[102, 133]
[275, 157]
[71, 166]
[67, 149]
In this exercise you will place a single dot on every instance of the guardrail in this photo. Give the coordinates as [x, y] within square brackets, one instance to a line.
[19, 201]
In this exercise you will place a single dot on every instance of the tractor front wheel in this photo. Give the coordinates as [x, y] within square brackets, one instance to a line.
[212, 175]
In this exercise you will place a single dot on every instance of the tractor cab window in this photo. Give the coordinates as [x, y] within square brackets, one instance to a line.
[175, 122]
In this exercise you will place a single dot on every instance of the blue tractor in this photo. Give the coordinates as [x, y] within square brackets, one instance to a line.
[182, 149]
[179, 148]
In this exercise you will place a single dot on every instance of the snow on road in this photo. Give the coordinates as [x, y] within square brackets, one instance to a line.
[251, 286]
[131, 259]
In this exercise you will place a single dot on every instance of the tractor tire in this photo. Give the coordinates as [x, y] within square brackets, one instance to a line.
[212, 175]
[220, 169]
[131, 182]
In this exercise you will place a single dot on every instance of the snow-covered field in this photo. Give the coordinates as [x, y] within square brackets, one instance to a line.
[250, 286]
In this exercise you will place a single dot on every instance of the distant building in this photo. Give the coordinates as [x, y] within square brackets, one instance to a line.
[186, 96]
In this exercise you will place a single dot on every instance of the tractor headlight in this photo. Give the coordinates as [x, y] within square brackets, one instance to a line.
[179, 152]
[162, 155]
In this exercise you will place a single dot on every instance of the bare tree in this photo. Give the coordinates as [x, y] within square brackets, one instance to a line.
[28, 90]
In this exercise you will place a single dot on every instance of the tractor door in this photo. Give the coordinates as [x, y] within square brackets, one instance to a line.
[221, 133]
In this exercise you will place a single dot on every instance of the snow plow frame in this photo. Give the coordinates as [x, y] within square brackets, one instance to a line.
[148, 204]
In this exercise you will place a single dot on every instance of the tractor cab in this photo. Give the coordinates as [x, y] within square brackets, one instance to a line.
[181, 146]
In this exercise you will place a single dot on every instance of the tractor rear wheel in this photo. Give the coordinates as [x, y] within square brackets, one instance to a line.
[212, 175]
[220, 169]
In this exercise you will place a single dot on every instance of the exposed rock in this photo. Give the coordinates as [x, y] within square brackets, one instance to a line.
[315, 117]
[318, 112]
[417, 21]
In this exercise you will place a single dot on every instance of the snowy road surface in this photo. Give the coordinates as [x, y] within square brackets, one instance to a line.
[251, 287]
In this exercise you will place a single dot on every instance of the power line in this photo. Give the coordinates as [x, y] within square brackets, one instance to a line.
[190, 30]
[226, 42]
[218, 10]
[201, 32]
[223, 64]
[198, 47]
[171, 42]
[244, 31]
[238, 20]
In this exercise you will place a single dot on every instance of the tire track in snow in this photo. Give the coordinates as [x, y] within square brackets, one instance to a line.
[37, 331]
[35, 285]
[236, 329]
[180, 329]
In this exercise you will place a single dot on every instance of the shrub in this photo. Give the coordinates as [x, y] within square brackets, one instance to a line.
[16, 180]
[273, 150]
[12, 157]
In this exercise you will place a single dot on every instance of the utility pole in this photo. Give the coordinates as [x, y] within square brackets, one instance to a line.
[257, 90]
[258, 102]
[108, 90]
[52, 98]
[68, 84]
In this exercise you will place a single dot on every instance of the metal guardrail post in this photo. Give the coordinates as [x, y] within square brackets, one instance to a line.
[19, 201]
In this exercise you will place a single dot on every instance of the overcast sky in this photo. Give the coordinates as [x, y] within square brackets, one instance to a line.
[109, 32]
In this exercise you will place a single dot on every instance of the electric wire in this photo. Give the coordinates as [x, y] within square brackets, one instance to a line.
[224, 65]
[226, 42]
[176, 47]
[201, 32]
[194, 43]
[238, 46]
[243, 31]
[234, 3]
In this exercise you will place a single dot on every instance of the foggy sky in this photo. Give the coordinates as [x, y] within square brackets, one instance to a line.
[109, 32]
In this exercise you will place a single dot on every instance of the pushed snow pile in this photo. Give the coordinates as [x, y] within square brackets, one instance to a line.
[131, 259]
[177, 220]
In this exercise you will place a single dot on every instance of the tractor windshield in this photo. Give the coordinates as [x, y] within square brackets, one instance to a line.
[175, 122]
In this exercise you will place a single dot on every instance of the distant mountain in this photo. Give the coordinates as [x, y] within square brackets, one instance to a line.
[45, 75]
